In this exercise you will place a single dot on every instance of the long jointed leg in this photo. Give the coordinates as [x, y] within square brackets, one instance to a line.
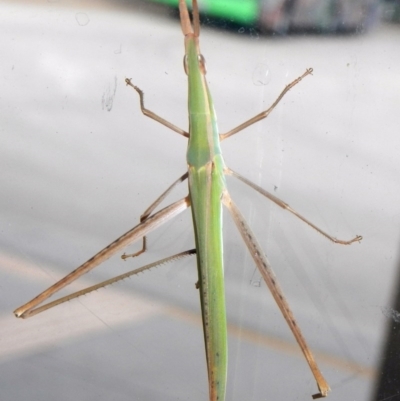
[154, 116]
[269, 276]
[35, 311]
[133, 235]
[147, 213]
[265, 113]
[285, 206]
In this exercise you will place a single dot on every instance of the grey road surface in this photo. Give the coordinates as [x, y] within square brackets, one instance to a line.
[79, 163]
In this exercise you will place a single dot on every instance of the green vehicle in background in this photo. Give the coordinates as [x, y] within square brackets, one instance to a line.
[236, 11]
[282, 16]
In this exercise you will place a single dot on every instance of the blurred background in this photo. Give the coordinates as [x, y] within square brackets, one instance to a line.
[80, 163]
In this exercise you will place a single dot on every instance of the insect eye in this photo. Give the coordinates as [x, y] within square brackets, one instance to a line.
[185, 64]
[202, 63]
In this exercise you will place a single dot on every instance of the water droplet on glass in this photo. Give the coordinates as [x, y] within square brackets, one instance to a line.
[254, 34]
[82, 19]
[241, 30]
[261, 75]
[108, 96]
[255, 283]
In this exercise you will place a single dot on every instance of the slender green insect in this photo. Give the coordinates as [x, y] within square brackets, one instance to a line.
[207, 196]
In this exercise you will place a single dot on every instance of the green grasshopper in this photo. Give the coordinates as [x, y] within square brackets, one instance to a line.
[207, 195]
